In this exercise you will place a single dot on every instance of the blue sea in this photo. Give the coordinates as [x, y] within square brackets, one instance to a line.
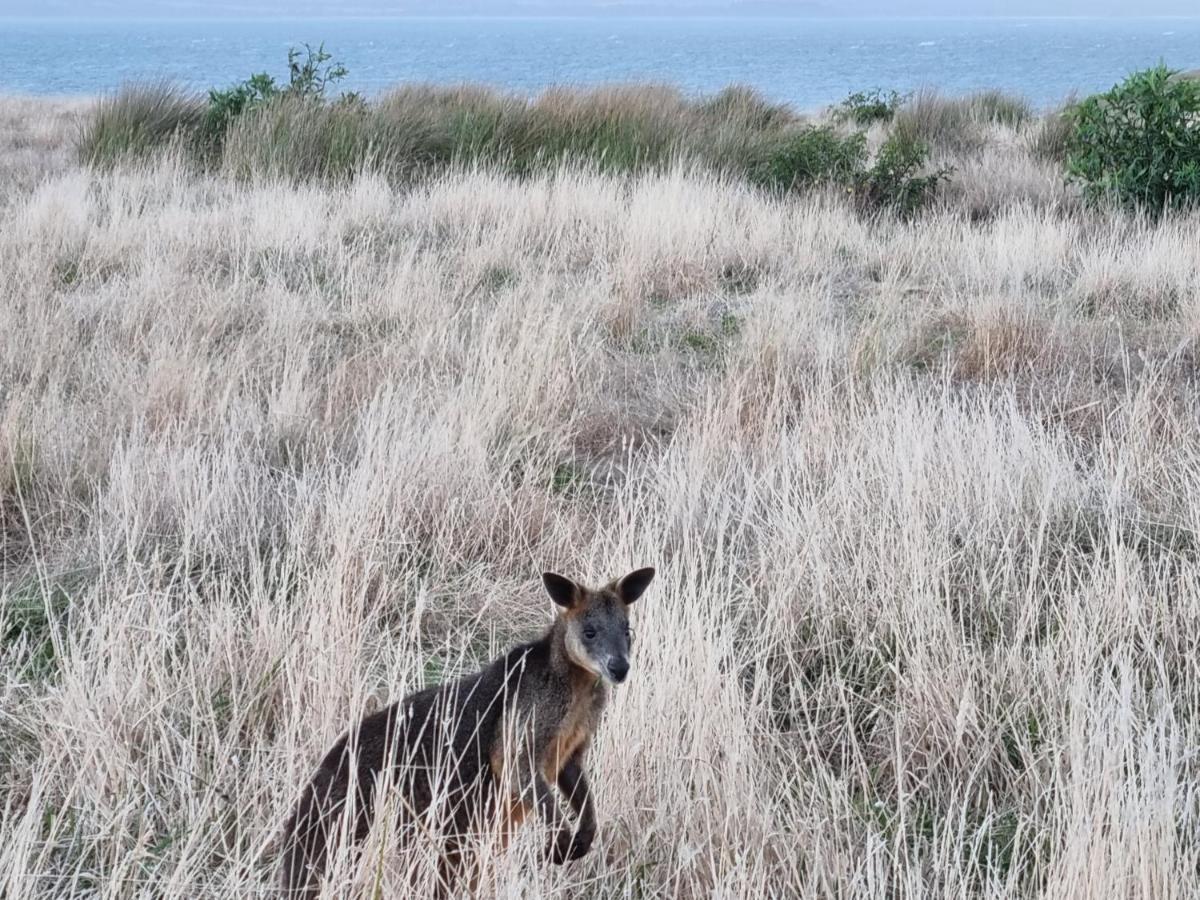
[807, 62]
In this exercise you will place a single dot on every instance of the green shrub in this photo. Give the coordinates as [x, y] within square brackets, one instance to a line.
[309, 75]
[896, 181]
[868, 107]
[136, 121]
[226, 105]
[1139, 144]
[810, 155]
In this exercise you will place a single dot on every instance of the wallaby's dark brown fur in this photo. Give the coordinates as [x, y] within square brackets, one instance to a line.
[480, 752]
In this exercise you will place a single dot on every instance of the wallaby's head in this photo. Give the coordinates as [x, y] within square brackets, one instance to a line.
[596, 621]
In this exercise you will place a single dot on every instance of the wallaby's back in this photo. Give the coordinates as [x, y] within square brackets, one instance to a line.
[434, 742]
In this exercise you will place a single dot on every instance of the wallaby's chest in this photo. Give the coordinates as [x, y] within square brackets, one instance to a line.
[575, 728]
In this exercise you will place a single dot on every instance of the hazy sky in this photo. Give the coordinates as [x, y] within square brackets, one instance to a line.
[223, 8]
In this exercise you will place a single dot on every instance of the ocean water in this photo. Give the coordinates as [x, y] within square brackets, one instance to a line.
[807, 62]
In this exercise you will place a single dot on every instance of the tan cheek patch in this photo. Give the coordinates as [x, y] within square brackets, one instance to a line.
[576, 651]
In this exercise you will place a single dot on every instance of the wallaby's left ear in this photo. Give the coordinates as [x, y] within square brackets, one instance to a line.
[634, 584]
[562, 591]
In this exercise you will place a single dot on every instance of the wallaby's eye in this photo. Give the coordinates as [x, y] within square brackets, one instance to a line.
[589, 633]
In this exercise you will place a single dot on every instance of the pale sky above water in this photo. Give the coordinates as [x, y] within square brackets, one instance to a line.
[839, 8]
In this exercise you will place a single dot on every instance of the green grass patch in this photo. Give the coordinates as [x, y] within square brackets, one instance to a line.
[137, 121]
[566, 478]
[33, 623]
[957, 124]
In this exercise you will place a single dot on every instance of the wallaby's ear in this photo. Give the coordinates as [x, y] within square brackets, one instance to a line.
[561, 590]
[634, 584]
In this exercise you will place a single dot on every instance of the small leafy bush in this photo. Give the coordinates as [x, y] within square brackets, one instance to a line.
[226, 105]
[897, 179]
[136, 121]
[810, 155]
[868, 107]
[310, 73]
[1139, 144]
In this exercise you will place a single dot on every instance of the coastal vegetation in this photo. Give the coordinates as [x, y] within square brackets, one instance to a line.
[1138, 144]
[300, 392]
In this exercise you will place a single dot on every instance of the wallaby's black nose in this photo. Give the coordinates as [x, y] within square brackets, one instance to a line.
[618, 669]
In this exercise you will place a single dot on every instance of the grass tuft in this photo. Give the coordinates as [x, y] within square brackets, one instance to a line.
[138, 121]
[958, 124]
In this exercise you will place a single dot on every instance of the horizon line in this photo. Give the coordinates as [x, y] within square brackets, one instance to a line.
[624, 14]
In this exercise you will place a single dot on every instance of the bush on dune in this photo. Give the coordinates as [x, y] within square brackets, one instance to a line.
[896, 179]
[899, 179]
[807, 157]
[1139, 144]
[868, 107]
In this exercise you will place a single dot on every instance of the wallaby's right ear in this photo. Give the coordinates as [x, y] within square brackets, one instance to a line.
[634, 584]
[561, 590]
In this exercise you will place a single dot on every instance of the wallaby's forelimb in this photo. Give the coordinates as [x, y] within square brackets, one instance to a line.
[573, 784]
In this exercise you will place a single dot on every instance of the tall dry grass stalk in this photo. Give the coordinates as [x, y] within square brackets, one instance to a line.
[923, 498]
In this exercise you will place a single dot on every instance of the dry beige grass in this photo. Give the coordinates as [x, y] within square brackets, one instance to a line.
[923, 497]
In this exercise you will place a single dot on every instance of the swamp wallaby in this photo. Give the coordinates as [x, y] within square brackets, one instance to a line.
[480, 753]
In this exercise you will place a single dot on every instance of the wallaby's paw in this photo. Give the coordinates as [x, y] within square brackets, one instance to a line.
[568, 845]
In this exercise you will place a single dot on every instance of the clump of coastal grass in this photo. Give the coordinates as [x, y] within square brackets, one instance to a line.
[619, 128]
[1050, 135]
[298, 139]
[137, 121]
[958, 124]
